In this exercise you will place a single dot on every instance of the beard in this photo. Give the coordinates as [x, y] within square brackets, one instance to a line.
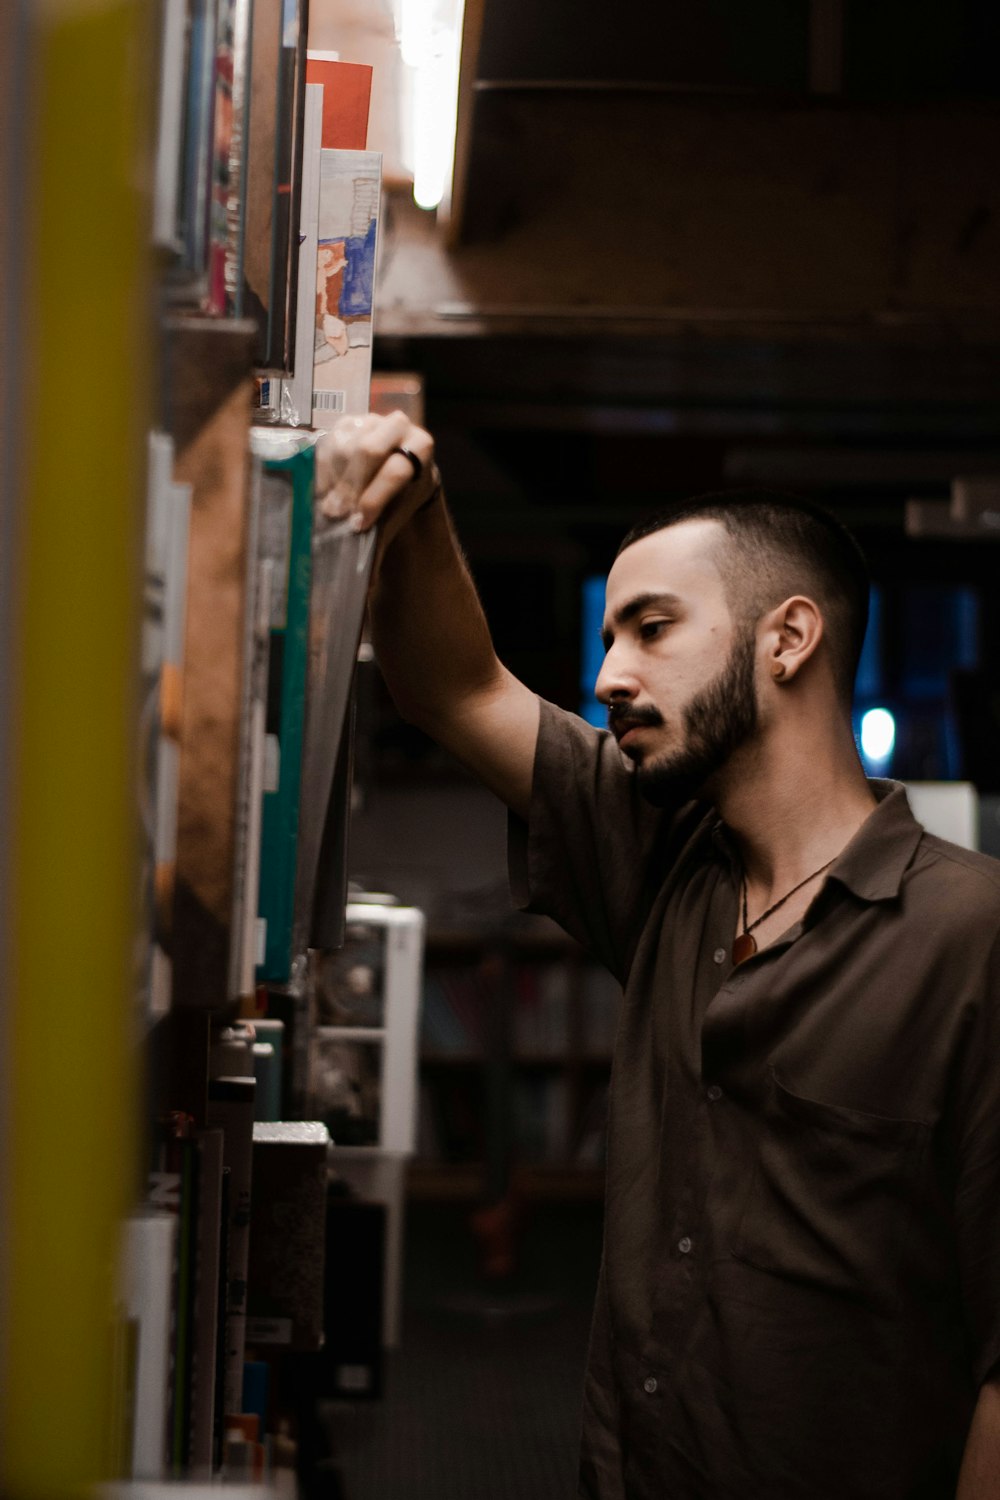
[718, 721]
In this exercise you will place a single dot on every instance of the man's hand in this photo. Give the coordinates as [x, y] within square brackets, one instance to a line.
[431, 638]
[361, 473]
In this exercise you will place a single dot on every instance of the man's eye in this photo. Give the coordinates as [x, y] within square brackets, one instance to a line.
[649, 629]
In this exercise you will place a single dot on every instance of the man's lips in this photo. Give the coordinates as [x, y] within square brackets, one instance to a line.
[623, 726]
[626, 731]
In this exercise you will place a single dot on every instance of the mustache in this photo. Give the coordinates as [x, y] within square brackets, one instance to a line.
[625, 716]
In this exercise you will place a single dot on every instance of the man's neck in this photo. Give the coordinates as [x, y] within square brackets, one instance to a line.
[792, 806]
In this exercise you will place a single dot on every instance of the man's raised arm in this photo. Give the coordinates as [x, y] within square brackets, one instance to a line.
[430, 634]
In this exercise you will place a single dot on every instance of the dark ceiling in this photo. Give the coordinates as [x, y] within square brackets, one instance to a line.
[718, 244]
[887, 49]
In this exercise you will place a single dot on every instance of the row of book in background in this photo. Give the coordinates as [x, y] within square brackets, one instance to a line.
[550, 1009]
[266, 213]
[265, 218]
[266, 200]
[253, 617]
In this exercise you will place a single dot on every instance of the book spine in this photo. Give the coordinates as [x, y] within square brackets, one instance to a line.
[187, 1255]
[222, 1303]
[148, 1276]
[231, 1108]
[205, 1351]
[297, 392]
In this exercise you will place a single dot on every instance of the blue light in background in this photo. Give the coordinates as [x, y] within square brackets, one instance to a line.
[868, 683]
[940, 632]
[591, 650]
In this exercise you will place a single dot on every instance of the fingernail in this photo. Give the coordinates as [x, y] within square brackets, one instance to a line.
[357, 521]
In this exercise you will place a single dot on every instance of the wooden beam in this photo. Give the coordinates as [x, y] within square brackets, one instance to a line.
[452, 212]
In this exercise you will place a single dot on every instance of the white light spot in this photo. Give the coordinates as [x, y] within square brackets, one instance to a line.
[878, 734]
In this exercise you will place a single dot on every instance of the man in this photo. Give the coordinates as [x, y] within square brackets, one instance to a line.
[800, 1291]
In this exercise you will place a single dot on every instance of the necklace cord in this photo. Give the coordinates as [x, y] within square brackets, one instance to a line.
[748, 928]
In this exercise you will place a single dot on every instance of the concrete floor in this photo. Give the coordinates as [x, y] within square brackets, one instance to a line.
[482, 1399]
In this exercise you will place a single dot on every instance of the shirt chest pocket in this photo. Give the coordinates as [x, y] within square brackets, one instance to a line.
[831, 1194]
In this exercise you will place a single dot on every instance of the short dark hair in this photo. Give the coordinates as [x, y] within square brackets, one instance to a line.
[781, 545]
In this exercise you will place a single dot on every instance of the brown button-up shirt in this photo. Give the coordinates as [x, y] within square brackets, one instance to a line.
[800, 1290]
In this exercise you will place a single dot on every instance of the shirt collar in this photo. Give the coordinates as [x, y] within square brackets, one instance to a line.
[872, 864]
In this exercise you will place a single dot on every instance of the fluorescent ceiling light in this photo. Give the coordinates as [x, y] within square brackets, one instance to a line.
[430, 38]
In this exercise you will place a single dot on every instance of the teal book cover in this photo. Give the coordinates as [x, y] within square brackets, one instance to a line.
[286, 538]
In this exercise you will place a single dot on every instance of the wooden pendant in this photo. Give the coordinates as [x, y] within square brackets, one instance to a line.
[744, 947]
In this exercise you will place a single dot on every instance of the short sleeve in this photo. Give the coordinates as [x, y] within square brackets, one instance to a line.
[584, 856]
[977, 1194]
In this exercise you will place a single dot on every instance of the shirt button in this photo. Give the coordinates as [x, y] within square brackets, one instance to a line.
[719, 956]
[649, 1385]
[714, 1092]
[684, 1245]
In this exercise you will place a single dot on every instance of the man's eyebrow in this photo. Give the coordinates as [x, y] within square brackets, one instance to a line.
[635, 606]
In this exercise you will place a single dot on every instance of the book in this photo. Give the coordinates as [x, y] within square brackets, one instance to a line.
[204, 1350]
[219, 162]
[319, 593]
[167, 224]
[347, 90]
[291, 400]
[199, 122]
[349, 197]
[286, 541]
[337, 96]
[285, 1276]
[251, 754]
[173, 1189]
[164, 593]
[231, 1109]
[146, 1291]
[221, 1313]
[280, 352]
[341, 567]
[273, 177]
[241, 14]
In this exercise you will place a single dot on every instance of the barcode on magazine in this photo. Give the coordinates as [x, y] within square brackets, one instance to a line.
[329, 400]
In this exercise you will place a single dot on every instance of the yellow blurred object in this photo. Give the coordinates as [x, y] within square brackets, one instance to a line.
[71, 1123]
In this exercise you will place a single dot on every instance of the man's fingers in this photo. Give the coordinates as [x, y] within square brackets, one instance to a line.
[357, 454]
[371, 447]
[396, 476]
[361, 470]
[333, 451]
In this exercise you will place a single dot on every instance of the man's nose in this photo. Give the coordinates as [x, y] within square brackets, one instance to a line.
[614, 680]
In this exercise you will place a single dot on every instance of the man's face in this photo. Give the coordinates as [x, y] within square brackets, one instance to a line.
[678, 677]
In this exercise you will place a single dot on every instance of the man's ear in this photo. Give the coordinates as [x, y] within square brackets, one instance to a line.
[792, 633]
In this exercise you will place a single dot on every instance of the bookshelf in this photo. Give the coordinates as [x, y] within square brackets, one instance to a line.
[133, 745]
[515, 1061]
